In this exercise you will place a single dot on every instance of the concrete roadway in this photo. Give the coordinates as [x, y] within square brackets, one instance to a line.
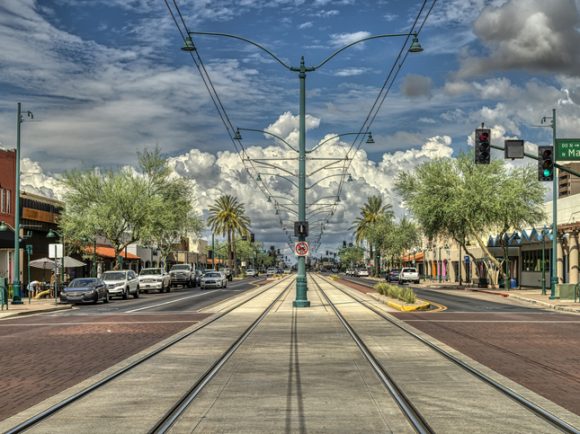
[46, 353]
[538, 348]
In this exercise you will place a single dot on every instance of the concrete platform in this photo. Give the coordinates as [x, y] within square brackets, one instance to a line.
[298, 372]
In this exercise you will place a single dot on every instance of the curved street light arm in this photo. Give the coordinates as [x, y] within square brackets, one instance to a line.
[282, 176]
[274, 167]
[327, 166]
[285, 198]
[271, 134]
[287, 208]
[322, 179]
[227, 35]
[334, 137]
[340, 50]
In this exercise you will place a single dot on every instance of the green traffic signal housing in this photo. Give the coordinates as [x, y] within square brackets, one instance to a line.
[545, 163]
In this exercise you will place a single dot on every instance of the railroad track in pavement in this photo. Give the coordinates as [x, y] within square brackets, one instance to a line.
[403, 400]
[165, 422]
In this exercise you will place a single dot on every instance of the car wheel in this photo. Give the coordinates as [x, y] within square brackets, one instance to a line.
[106, 299]
[125, 294]
[168, 289]
[136, 295]
[226, 284]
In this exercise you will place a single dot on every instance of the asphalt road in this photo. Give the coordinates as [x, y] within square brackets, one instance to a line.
[454, 302]
[178, 300]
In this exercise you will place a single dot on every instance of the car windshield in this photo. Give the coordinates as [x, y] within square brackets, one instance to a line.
[114, 275]
[409, 270]
[81, 283]
[180, 267]
[149, 271]
[212, 275]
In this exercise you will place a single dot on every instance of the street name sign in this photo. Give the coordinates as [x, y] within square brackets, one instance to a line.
[567, 149]
[301, 248]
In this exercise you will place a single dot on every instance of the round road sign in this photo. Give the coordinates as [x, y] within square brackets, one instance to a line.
[301, 248]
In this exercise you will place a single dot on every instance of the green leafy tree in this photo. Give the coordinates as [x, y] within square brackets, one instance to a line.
[171, 203]
[458, 199]
[351, 256]
[371, 214]
[227, 216]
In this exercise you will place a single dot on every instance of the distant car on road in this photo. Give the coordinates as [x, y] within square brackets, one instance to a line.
[154, 278]
[250, 272]
[409, 274]
[363, 272]
[287, 271]
[122, 283]
[85, 290]
[393, 275]
[271, 271]
[214, 279]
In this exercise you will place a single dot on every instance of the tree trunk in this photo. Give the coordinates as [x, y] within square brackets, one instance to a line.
[233, 270]
[488, 254]
[230, 249]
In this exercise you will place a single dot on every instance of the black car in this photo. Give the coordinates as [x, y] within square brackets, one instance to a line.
[393, 275]
[85, 290]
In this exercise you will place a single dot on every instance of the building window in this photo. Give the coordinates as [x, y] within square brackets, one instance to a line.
[532, 260]
[4, 201]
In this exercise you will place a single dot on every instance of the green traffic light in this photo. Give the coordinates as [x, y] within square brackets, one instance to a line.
[547, 172]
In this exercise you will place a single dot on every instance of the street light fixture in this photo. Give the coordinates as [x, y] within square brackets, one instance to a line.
[301, 283]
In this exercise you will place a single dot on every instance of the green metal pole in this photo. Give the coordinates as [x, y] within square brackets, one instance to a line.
[213, 253]
[301, 285]
[554, 264]
[16, 297]
[439, 266]
[94, 273]
[543, 262]
[61, 268]
[28, 273]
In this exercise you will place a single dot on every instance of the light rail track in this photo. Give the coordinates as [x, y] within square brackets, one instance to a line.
[54, 409]
[529, 405]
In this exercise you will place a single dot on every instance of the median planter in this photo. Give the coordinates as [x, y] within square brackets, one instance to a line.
[397, 297]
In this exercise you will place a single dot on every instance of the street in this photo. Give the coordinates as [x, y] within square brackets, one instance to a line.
[47, 353]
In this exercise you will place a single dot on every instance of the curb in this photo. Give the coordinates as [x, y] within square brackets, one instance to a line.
[400, 307]
[545, 304]
[9, 313]
[489, 292]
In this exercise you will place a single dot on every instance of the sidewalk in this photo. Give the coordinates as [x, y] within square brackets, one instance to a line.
[35, 306]
[527, 295]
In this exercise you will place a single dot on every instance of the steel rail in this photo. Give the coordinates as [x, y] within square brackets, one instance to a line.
[171, 416]
[409, 410]
[45, 414]
[562, 425]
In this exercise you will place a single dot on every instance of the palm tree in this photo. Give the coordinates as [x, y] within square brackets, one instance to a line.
[370, 214]
[227, 216]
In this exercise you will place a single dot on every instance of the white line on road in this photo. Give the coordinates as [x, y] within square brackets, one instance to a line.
[171, 301]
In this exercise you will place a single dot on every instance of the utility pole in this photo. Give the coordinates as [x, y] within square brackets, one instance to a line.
[554, 216]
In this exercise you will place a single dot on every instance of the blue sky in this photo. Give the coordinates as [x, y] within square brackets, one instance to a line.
[106, 78]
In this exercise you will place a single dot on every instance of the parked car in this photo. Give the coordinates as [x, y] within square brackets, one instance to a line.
[349, 272]
[392, 275]
[215, 279]
[287, 271]
[85, 290]
[250, 272]
[154, 278]
[363, 272]
[122, 283]
[197, 278]
[270, 271]
[182, 274]
[228, 273]
[409, 274]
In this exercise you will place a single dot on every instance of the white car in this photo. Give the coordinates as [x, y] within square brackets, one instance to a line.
[154, 278]
[122, 283]
[214, 279]
[250, 272]
[409, 275]
[271, 271]
[362, 273]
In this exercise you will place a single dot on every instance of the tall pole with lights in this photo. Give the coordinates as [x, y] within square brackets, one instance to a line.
[301, 282]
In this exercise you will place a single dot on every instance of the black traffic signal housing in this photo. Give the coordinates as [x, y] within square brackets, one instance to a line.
[482, 146]
[252, 238]
[210, 254]
[545, 163]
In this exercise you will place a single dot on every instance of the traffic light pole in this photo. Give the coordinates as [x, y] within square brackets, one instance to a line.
[554, 264]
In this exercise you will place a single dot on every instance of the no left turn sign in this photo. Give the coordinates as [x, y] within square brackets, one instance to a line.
[301, 248]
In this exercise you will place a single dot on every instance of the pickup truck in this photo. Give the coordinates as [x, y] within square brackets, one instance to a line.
[409, 275]
[182, 274]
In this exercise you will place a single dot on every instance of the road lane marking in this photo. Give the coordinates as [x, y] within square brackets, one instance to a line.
[171, 301]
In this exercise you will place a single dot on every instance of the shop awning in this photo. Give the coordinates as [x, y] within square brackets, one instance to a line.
[109, 252]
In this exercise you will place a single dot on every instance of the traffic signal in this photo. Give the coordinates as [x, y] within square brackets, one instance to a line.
[244, 237]
[344, 244]
[545, 163]
[482, 146]
[252, 238]
[210, 254]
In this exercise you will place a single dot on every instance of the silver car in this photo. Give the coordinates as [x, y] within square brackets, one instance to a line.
[214, 279]
[154, 278]
[122, 283]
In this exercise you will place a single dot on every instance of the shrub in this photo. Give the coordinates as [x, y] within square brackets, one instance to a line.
[408, 295]
[381, 288]
[404, 294]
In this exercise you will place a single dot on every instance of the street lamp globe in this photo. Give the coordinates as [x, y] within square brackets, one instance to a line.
[415, 45]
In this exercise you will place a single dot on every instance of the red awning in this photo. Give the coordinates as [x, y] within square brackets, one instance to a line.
[109, 252]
